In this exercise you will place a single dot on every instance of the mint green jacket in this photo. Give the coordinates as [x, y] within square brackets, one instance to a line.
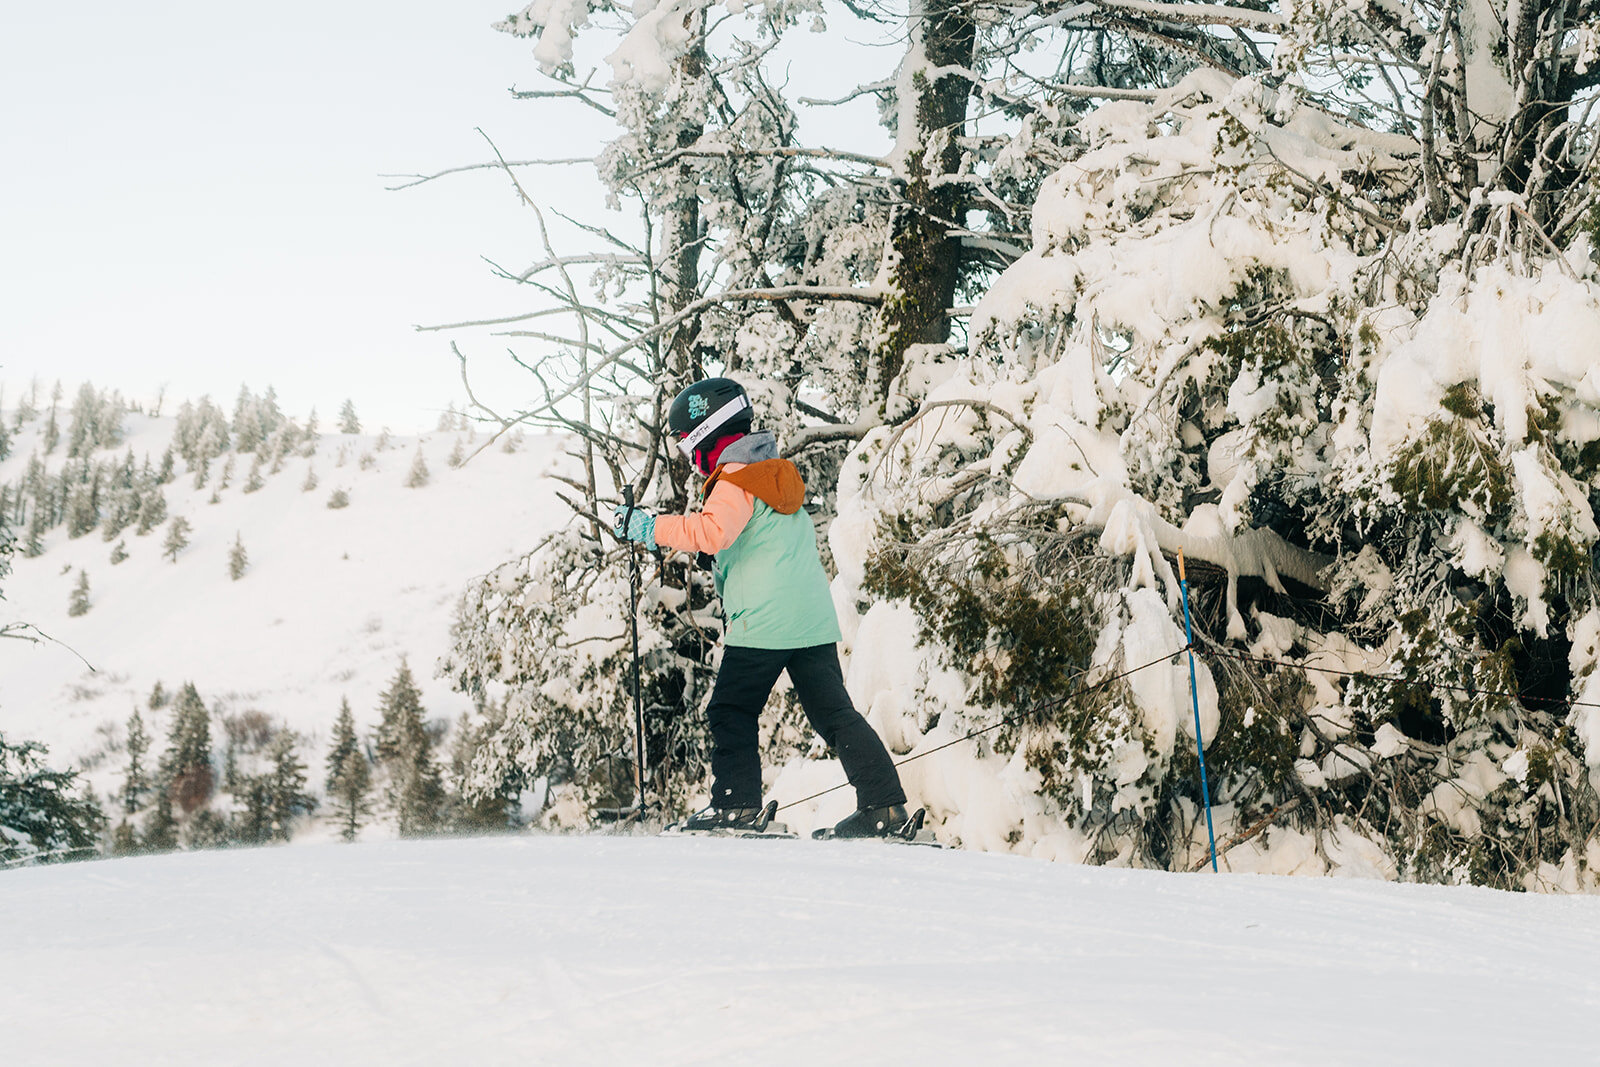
[773, 588]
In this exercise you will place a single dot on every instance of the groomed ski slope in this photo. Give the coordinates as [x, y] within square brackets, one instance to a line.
[637, 950]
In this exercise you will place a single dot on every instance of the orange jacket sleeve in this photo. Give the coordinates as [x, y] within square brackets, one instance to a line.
[714, 527]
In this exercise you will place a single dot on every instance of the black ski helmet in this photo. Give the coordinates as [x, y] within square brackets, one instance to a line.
[707, 410]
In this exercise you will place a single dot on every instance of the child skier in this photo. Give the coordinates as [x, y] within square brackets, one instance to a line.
[779, 612]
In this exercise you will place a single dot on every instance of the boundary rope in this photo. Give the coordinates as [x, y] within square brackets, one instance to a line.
[1043, 705]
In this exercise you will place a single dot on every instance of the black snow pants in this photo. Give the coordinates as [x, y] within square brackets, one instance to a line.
[742, 687]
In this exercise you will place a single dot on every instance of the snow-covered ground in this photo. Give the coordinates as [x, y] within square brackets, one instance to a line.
[332, 601]
[608, 950]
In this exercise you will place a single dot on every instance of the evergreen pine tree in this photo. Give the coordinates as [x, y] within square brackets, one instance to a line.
[227, 475]
[134, 783]
[254, 480]
[313, 434]
[160, 827]
[254, 823]
[405, 753]
[152, 510]
[311, 480]
[186, 764]
[418, 477]
[286, 786]
[33, 543]
[348, 423]
[125, 840]
[238, 560]
[349, 777]
[119, 553]
[78, 603]
[43, 815]
[177, 538]
[52, 432]
[458, 454]
[339, 499]
[158, 696]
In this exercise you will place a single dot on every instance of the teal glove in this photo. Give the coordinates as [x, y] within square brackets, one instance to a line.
[635, 525]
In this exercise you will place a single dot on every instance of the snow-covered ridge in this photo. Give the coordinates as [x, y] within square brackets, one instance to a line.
[330, 602]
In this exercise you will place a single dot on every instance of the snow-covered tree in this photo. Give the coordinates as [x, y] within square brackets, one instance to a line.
[135, 780]
[404, 750]
[286, 786]
[78, 602]
[45, 814]
[186, 772]
[417, 477]
[1304, 293]
[177, 538]
[348, 422]
[349, 776]
[238, 559]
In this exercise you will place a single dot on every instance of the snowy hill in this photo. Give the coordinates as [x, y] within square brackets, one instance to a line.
[332, 600]
[605, 950]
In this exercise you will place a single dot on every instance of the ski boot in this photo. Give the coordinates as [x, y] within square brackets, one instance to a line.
[890, 821]
[733, 822]
[727, 819]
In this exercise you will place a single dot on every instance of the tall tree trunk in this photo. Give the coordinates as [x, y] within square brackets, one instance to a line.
[926, 261]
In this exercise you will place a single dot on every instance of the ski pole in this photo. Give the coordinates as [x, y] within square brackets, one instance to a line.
[1194, 696]
[633, 626]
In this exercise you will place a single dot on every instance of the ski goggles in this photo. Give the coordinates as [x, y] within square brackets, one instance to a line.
[692, 440]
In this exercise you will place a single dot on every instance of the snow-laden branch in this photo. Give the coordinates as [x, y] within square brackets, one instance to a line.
[1201, 14]
[723, 151]
[413, 180]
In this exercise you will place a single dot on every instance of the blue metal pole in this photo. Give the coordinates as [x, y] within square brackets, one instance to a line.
[1194, 696]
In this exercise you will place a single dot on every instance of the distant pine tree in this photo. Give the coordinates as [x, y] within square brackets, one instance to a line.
[119, 553]
[227, 475]
[349, 776]
[186, 765]
[78, 602]
[254, 481]
[135, 784]
[125, 840]
[475, 811]
[311, 480]
[160, 827]
[339, 499]
[177, 538]
[348, 423]
[238, 560]
[52, 432]
[158, 696]
[286, 786]
[418, 477]
[152, 510]
[253, 825]
[405, 753]
[312, 435]
[458, 454]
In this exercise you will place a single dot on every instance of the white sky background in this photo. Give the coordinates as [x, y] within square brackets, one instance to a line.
[191, 195]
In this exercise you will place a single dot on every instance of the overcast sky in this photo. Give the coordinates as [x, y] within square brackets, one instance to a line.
[191, 195]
